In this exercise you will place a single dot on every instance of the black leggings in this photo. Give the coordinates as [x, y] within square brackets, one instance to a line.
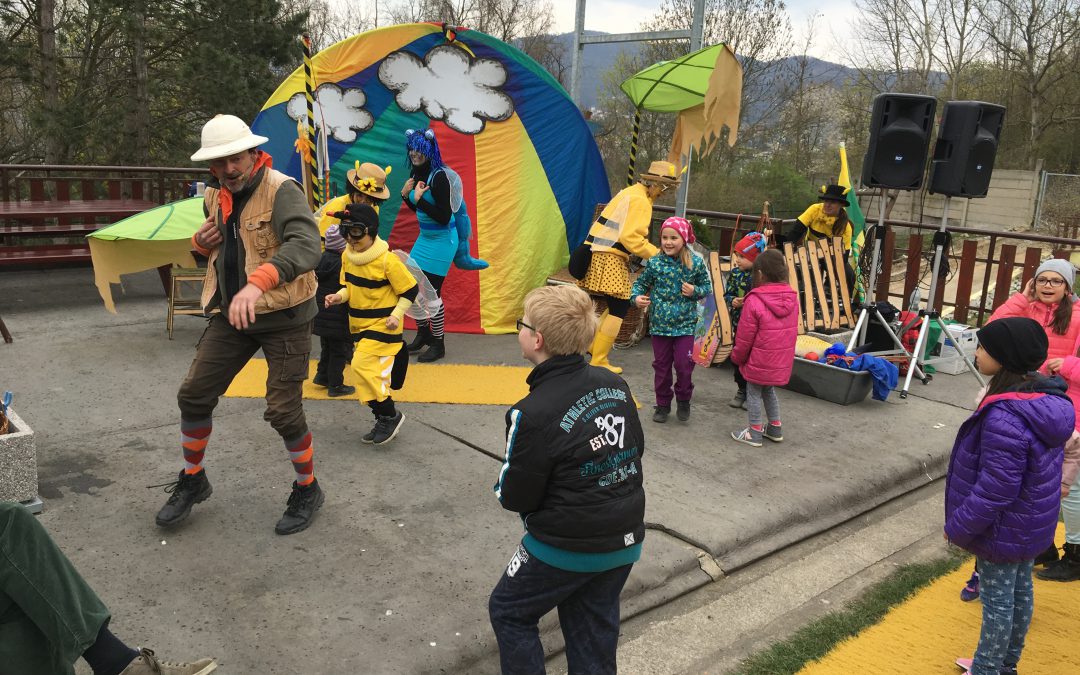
[617, 307]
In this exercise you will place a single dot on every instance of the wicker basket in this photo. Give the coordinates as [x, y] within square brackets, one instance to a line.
[4, 424]
[635, 325]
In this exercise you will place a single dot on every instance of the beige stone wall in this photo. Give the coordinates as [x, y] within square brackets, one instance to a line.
[1009, 204]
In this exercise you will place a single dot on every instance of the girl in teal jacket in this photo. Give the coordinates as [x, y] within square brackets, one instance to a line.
[670, 287]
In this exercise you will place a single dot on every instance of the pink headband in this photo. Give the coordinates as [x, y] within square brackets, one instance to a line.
[682, 226]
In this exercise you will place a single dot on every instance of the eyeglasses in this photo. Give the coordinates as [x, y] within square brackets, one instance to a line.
[521, 324]
[1052, 283]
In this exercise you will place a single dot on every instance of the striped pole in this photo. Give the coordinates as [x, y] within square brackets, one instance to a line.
[633, 148]
[309, 91]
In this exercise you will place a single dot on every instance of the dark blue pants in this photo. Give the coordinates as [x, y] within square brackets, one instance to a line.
[588, 605]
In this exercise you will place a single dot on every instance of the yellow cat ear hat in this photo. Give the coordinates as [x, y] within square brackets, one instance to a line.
[370, 179]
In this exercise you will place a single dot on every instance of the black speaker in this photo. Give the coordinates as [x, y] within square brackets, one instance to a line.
[900, 126]
[966, 147]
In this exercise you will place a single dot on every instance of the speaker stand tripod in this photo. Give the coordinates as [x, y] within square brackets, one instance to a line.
[931, 313]
[868, 310]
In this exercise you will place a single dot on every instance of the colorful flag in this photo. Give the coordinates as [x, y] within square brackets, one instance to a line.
[854, 211]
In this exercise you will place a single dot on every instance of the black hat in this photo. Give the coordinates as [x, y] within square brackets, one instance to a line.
[1019, 344]
[834, 193]
[361, 215]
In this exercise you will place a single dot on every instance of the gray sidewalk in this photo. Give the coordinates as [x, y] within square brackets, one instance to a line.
[394, 575]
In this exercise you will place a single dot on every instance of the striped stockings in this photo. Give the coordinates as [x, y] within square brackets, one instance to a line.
[194, 435]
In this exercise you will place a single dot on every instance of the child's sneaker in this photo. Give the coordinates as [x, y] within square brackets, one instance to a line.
[749, 436]
[660, 413]
[340, 390]
[738, 400]
[774, 433]
[971, 590]
[386, 428]
[682, 410]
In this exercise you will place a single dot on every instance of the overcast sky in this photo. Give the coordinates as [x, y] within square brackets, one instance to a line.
[625, 16]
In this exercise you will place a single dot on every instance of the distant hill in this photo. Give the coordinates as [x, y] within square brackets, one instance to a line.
[598, 59]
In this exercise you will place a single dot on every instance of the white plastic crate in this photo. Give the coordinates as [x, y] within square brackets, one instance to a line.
[952, 363]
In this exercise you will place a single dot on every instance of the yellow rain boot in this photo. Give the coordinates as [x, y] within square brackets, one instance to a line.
[603, 342]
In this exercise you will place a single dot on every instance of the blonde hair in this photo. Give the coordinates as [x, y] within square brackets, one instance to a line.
[564, 315]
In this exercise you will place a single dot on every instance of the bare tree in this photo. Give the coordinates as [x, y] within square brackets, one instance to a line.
[898, 43]
[1037, 41]
[961, 41]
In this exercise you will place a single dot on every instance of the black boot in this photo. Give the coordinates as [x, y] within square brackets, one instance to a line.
[1048, 556]
[187, 491]
[660, 413]
[423, 337]
[435, 351]
[1066, 569]
[300, 510]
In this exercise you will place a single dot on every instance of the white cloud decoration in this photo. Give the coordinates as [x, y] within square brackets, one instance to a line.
[449, 85]
[341, 111]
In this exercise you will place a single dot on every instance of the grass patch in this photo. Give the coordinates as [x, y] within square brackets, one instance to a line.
[816, 639]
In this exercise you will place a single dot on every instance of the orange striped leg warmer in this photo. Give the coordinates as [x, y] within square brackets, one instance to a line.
[301, 453]
[193, 437]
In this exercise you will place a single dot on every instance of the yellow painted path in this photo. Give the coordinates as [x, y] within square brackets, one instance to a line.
[925, 634]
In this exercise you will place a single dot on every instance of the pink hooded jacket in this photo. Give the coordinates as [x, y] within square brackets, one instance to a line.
[1060, 345]
[765, 341]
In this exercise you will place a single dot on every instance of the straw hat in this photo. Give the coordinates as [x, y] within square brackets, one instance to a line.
[370, 179]
[662, 172]
[226, 135]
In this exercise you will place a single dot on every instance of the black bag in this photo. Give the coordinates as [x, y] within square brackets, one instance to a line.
[579, 261]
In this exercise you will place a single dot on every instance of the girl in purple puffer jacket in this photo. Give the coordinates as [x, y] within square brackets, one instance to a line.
[1002, 489]
[765, 345]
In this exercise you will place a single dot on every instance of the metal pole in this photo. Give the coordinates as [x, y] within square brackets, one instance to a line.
[697, 30]
[575, 68]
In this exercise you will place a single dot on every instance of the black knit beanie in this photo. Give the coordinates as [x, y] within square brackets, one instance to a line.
[364, 216]
[1018, 344]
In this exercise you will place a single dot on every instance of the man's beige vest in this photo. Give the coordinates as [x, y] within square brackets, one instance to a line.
[260, 244]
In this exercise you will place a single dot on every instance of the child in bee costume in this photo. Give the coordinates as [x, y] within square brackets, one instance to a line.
[378, 288]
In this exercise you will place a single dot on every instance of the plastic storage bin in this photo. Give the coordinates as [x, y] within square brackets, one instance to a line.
[829, 383]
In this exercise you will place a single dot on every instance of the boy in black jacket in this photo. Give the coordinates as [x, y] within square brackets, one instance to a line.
[573, 471]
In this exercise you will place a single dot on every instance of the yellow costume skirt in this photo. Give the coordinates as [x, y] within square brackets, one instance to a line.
[608, 275]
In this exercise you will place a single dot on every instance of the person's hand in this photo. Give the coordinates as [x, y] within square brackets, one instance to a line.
[408, 187]
[688, 289]
[1065, 491]
[1054, 365]
[421, 188]
[945, 535]
[392, 322]
[737, 302]
[208, 235]
[331, 300]
[242, 307]
[767, 232]
[1029, 290]
[642, 301]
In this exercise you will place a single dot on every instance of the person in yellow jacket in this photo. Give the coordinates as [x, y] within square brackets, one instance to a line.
[378, 289]
[366, 185]
[621, 230]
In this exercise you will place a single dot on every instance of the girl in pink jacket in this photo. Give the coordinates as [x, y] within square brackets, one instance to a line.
[765, 345]
[1048, 298]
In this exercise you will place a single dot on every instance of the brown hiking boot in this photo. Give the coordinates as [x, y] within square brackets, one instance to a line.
[148, 664]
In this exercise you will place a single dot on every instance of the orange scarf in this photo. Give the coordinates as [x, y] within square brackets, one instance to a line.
[225, 198]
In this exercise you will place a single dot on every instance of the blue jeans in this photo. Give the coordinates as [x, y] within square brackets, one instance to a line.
[1008, 599]
[588, 604]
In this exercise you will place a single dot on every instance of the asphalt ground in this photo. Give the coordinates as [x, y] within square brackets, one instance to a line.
[394, 575]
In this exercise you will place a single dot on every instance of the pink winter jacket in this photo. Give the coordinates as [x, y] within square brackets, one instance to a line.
[1070, 370]
[765, 341]
[1060, 345]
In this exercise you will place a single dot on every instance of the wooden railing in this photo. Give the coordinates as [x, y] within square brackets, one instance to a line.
[47, 210]
[981, 260]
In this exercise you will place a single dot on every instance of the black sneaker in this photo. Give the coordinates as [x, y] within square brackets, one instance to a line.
[660, 413]
[187, 491]
[682, 410]
[386, 428]
[369, 437]
[301, 508]
[340, 390]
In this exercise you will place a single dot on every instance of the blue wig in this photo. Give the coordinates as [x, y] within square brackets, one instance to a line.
[425, 143]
